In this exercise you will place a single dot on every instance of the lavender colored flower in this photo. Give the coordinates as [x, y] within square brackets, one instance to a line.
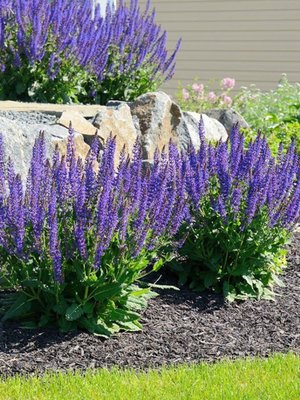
[50, 33]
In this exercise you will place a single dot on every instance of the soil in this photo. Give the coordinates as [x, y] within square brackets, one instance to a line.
[178, 327]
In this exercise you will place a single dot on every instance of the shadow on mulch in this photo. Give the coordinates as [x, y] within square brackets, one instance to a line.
[179, 327]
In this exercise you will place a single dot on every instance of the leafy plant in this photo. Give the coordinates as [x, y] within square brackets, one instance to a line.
[244, 204]
[276, 112]
[76, 244]
[64, 51]
[200, 98]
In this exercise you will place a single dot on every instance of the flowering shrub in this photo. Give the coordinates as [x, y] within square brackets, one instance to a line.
[75, 244]
[65, 51]
[275, 112]
[238, 229]
[199, 98]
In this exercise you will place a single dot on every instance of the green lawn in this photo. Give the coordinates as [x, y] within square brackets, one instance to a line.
[275, 378]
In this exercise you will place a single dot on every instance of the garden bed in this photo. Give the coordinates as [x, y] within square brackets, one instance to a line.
[179, 327]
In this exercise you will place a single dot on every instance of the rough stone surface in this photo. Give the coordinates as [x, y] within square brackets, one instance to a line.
[214, 130]
[79, 123]
[29, 117]
[158, 120]
[19, 139]
[86, 111]
[228, 118]
[116, 120]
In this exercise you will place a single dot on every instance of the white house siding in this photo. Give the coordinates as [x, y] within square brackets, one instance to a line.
[254, 41]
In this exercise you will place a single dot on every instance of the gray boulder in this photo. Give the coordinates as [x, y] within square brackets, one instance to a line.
[19, 139]
[228, 118]
[158, 120]
[214, 130]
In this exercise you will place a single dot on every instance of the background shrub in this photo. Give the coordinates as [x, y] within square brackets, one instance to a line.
[199, 98]
[236, 233]
[75, 244]
[276, 112]
[62, 51]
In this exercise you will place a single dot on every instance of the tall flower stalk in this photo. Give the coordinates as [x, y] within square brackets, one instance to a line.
[77, 240]
[236, 233]
[67, 51]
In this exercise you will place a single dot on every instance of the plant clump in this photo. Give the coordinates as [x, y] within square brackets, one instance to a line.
[78, 238]
[76, 242]
[244, 203]
[64, 51]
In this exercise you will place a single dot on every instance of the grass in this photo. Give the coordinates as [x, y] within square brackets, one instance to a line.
[275, 378]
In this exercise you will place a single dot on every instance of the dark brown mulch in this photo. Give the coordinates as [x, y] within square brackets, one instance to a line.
[179, 327]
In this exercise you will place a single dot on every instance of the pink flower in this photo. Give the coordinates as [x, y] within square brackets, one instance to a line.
[185, 94]
[212, 97]
[226, 100]
[228, 83]
[198, 88]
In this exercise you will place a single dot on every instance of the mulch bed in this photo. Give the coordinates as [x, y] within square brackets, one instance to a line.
[179, 327]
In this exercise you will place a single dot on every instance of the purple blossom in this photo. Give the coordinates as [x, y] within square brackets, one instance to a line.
[80, 34]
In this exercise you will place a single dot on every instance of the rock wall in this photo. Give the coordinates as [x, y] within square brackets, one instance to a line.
[154, 119]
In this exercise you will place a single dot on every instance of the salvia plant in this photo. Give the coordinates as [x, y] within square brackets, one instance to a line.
[69, 51]
[77, 239]
[244, 205]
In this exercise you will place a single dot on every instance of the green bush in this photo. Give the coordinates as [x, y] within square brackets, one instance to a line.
[276, 113]
[243, 206]
[200, 98]
[77, 243]
[65, 51]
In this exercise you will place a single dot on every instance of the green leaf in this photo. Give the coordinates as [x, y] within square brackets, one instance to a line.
[155, 286]
[44, 320]
[74, 312]
[29, 325]
[19, 308]
[136, 303]
[33, 283]
[66, 326]
[158, 264]
[210, 279]
[88, 308]
[248, 279]
[131, 326]
[107, 291]
[120, 315]
[20, 88]
[61, 307]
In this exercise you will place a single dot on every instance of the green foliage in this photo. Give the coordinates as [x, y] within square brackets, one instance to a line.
[218, 255]
[32, 83]
[126, 86]
[269, 109]
[99, 301]
[276, 112]
[199, 98]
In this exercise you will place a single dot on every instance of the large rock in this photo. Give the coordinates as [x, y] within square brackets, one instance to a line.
[158, 119]
[214, 130]
[115, 119]
[19, 140]
[78, 122]
[228, 118]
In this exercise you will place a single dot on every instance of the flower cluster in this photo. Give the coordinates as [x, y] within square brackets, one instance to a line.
[78, 237]
[44, 40]
[76, 232]
[240, 226]
[197, 97]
